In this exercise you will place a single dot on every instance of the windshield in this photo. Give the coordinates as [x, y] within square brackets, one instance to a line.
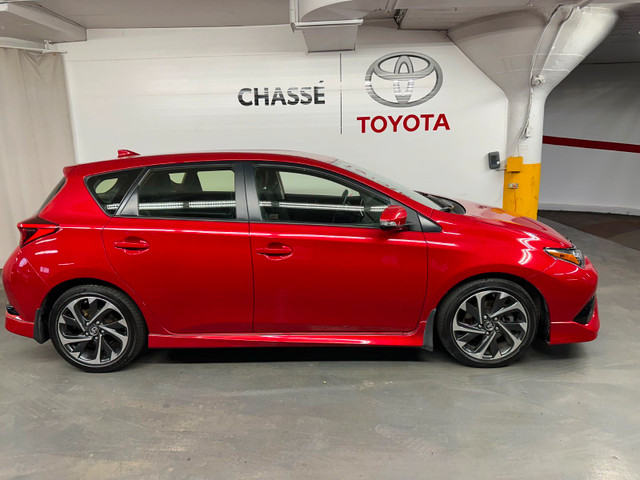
[396, 187]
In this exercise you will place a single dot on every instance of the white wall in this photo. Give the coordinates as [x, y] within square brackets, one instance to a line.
[172, 90]
[601, 103]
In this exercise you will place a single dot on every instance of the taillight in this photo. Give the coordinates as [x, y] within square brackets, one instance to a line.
[35, 228]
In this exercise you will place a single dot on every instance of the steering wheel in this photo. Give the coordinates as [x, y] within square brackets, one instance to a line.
[343, 201]
[343, 198]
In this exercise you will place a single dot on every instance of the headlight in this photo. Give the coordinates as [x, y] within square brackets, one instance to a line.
[571, 255]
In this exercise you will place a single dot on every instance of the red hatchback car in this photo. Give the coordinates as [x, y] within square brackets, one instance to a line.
[235, 249]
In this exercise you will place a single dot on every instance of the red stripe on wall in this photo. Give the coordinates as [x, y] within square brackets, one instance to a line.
[577, 142]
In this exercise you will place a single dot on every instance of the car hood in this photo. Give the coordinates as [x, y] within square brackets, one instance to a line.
[498, 217]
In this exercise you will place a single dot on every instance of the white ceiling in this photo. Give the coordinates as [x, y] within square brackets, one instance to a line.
[444, 14]
[170, 13]
[623, 45]
[420, 14]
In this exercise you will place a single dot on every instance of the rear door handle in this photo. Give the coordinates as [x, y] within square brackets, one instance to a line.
[136, 244]
[275, 250]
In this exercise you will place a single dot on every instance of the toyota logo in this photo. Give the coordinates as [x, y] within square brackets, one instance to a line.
[393, 80]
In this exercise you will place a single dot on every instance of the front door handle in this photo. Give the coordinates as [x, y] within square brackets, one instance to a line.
[275, 250]
[136, 244]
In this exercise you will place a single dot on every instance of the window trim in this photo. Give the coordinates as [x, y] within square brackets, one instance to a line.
[255, 215]
[129, 206]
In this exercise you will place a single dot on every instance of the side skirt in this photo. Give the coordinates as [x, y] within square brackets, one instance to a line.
[225, 340]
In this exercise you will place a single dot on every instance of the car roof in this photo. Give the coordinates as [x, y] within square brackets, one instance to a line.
[139, 161]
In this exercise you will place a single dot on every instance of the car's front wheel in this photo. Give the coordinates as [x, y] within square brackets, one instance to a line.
[487, 322]
[96, 328]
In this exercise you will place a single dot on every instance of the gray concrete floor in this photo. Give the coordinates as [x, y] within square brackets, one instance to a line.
[566, 412]
[622, 229]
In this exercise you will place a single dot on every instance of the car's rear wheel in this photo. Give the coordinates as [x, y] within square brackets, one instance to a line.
[487, 323]
[97, 328]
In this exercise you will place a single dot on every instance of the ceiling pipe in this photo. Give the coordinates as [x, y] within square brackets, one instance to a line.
[325, 35]
[41, 23]
[296, 24]
[37, 47]
[332, 25]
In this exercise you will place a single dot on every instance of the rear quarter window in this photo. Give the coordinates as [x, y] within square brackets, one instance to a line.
[108, 189]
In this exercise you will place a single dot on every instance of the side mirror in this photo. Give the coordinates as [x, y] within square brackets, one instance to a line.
[394, 217]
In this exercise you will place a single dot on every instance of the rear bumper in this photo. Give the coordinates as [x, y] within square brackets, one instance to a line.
[574, 332]
[25, 291]
[15, 324]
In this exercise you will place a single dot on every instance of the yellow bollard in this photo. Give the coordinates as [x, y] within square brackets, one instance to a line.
[521, 188]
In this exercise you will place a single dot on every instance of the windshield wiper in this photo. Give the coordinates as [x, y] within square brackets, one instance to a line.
[445, 206]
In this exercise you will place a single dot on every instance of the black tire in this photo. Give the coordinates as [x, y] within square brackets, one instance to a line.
[473, 336]
[98, 321]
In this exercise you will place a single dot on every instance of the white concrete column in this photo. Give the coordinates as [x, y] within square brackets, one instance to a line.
[527, 56]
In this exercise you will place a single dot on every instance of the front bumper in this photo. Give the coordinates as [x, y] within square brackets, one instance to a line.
[574, 332]
[569, 292]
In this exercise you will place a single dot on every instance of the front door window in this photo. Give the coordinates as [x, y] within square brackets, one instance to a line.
[305, 197]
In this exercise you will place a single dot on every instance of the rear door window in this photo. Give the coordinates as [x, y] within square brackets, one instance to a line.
[108, 189]
[188, 192]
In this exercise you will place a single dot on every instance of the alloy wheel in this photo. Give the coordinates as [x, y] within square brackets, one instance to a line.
[490, 325]
[92, 330]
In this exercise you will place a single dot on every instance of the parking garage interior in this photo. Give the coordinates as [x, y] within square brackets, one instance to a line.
[534, 109]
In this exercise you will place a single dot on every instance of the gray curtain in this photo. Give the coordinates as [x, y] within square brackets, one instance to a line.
[35, 136]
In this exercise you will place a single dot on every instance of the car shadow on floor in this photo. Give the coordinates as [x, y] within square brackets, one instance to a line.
[334, 354]
[565, 351]
[289, 354]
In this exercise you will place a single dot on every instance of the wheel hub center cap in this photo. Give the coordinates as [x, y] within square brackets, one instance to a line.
[93, 330]
[489, 325]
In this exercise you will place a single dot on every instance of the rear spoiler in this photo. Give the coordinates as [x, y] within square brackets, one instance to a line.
[122, 153]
